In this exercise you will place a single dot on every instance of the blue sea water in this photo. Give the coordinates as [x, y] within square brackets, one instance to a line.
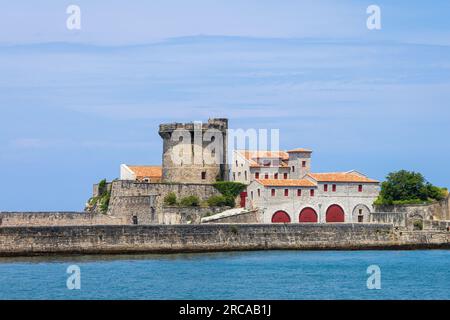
[234, 275]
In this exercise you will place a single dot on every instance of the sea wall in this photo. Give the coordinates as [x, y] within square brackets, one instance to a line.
[56, 219]
[21, 241]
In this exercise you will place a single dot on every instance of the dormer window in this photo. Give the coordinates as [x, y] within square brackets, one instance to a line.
[275, 176]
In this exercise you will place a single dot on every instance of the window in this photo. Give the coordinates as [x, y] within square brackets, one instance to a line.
[135, 220]
[204, 175]
[334, 188]
[285, 176]
[360, 211]
[304, 164]
[259, 193]
[311, 192]
[286, 192]
[273, 192]
[360, 188]
[299, 192]
[325, 187]
[293, 169]
[266, 176]
[245, 174]
[251, 194]
[266, 163]
[360, 219]
[257, 175]
[234, 176]
[275, 176]
[236, 163]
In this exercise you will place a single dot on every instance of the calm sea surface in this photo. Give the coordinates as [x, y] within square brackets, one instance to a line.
[239, 275]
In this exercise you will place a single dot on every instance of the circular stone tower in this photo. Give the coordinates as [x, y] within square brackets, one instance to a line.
[194, 152]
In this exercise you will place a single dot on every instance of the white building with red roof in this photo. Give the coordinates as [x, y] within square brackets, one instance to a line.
[150, 174]
[283, 188]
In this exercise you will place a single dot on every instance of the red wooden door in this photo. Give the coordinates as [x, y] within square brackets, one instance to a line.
[308, 215]
[243, 198]
[335, 214]
[281, 217]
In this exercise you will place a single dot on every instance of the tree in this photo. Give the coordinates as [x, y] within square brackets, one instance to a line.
[408, 187]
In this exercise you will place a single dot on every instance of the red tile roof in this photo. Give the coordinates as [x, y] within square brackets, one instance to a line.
[286, 182]
[340, 177]
[146, 171]
[299, 150]
[249, 155]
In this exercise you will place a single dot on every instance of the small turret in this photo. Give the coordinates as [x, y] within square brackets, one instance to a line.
[299, 162]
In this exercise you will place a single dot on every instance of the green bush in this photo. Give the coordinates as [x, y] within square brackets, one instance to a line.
[102, 188]
[221, 201]
[230, 188]
[190, 201]
[102, 200]
[170, 199]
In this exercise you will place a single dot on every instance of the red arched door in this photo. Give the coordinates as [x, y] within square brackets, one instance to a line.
[335, 214]
[308, 215]
[281, 217]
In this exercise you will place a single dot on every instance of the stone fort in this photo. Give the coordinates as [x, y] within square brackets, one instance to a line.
[281, 188]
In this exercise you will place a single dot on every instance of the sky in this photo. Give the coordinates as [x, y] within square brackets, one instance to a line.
[75, 104]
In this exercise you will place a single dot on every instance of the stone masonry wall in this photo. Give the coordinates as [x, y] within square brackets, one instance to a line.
[246, 217]
[438, 211]
[22, 241]
[404, 216]
[55, 219]
[145, 201]
[186, 215]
